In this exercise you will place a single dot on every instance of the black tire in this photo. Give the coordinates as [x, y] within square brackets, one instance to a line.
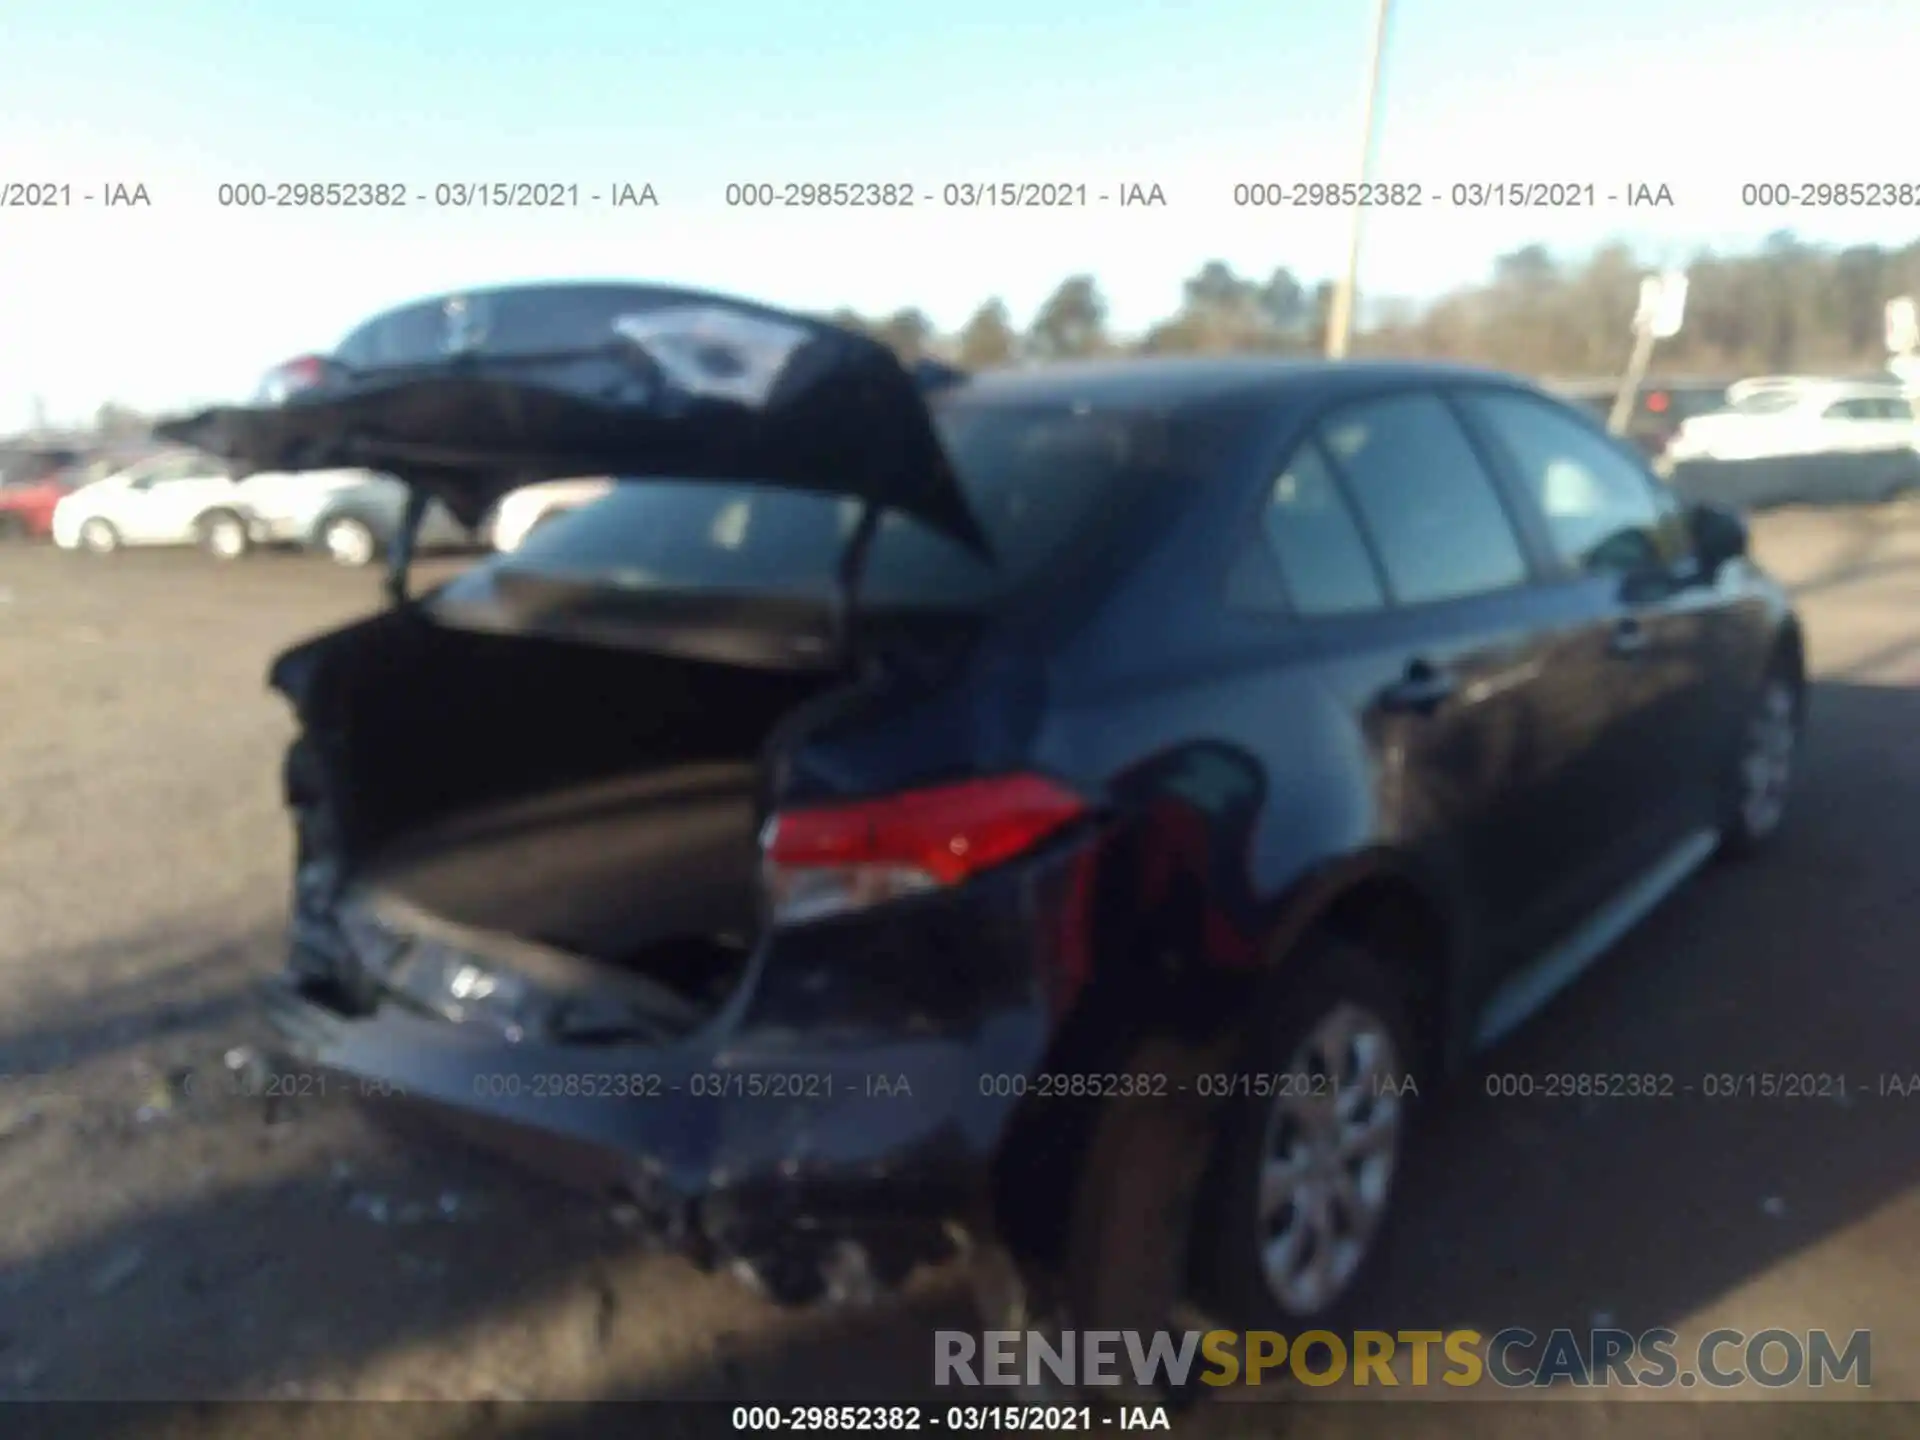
[1748, 826]
[1130, 1230]
[224, 535]
[349, 541]
[1329, 977]
[12, 527]
[99, 537]
[1134, 1192]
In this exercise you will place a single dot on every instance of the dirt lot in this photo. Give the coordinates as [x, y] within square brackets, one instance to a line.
[161, 1236]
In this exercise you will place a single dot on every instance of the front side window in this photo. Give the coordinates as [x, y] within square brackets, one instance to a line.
[1428, 504]
[1602, 512]
[187, 467]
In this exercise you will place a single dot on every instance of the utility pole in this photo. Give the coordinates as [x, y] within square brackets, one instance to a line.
[1663, 306]
[1629, 392]
[1340, 317]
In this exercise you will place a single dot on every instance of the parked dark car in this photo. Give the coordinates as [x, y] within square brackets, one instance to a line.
[1082, 807]
[1659, 410]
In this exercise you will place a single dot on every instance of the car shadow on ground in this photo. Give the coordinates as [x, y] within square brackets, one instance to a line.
[1546, 1211]
[1521, 1210]
[176, 985]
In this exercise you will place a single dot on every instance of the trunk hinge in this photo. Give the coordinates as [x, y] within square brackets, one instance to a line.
[400, 553]
[847, 576]
[929, 375]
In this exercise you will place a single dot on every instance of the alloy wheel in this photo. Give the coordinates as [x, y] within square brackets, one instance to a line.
[349, 542]
[1331, 1148]
[1766, 765]
[227, 538]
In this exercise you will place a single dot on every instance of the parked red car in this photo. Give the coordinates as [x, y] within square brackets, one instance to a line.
[29, 491]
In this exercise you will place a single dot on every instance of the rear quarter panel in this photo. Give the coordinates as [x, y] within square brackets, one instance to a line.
[1211, 833]
[1239, 786]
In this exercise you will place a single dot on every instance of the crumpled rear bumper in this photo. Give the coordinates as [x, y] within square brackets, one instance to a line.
[732, 1148]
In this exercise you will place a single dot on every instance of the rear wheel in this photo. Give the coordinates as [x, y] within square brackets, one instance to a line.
[224, 536]
[1764, 765]
[1305, 1180]
[349, 542]
[12, 527]
[99, 537]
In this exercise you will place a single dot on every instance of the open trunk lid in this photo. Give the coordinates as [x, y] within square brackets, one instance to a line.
[466, 397]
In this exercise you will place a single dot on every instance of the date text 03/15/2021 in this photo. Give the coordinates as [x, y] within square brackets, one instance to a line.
[1836, 1087]
[1567, 194]
[956, 1419]
[558, 194]
[1063, 193]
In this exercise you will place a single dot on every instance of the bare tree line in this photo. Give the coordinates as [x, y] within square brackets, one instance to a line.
[1785, 306]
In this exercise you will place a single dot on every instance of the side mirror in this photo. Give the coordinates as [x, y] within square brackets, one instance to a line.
[1719, 535]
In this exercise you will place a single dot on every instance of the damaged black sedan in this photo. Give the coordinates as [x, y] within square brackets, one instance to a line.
[1074, 808]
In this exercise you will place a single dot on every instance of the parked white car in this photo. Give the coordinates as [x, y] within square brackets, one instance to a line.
[522, 511]
[1785, 415]
[183, 499]
[283, 508]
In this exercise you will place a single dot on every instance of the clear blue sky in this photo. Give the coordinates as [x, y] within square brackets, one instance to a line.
[186, 300]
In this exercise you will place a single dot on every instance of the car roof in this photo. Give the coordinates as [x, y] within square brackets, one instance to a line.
[1826, 392]
[1811, 385]
[1185, 382]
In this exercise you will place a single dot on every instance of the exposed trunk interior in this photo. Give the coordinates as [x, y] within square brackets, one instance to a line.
[601, 803]
[653, 870]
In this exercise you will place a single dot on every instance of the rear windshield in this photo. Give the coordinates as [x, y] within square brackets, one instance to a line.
[1039, 480]
[1766, 402]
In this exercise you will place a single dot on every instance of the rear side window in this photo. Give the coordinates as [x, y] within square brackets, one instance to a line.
[1766, 402]
[1429, 505]
[1315, 539]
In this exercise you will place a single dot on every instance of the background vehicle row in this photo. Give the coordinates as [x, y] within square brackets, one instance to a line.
[179, 498]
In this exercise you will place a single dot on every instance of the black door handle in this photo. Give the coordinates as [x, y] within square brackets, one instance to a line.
[1423, 689]
[1629, 637]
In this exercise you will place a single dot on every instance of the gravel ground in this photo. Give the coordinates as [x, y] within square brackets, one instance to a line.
[162, 1235]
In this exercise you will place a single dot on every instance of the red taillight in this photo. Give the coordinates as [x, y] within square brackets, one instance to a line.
[1657, 403]
[301, 373]
[835, 858]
